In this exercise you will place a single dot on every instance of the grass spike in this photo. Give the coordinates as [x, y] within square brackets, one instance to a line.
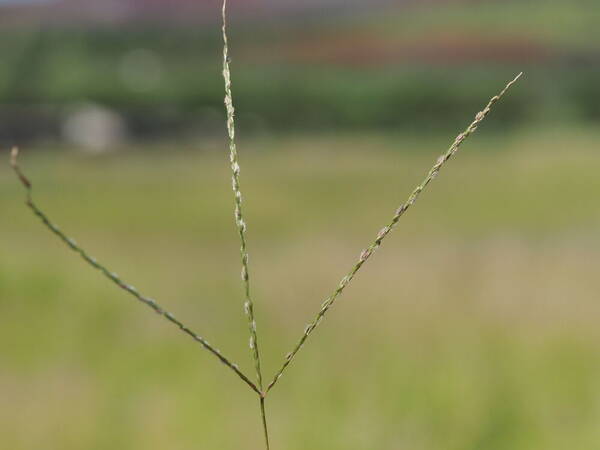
[240, 223]
[368, 252]
[112, 276]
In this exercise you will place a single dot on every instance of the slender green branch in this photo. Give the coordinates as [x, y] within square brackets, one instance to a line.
[368, 252]
[263, 415]
[239, 217]
[116, 279]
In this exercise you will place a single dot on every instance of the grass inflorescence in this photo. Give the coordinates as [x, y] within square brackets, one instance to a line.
[249, 308]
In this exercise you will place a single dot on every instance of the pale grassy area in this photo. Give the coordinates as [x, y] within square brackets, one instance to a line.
[474, 327]
[554, 22]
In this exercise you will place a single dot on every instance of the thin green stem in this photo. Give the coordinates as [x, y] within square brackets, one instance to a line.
[263, 415]
[117, 280]
[368, 252]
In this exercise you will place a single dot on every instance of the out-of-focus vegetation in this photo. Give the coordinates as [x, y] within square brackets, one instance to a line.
[423, 66]
[474, 327]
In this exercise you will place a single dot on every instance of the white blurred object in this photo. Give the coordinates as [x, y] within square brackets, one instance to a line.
[94, 128]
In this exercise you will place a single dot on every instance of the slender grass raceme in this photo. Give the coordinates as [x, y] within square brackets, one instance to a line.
[239, 219]
[112, 276]
[368, 252]
[258, 386]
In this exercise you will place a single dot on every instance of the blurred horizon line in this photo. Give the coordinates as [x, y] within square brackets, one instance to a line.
[127, 12]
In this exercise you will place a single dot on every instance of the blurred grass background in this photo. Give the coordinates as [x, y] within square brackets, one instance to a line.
[474, 327]
[407, 66]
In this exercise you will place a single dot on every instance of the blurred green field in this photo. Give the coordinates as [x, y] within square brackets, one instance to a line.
[563, 22]
[383, 69]
[474, 327]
